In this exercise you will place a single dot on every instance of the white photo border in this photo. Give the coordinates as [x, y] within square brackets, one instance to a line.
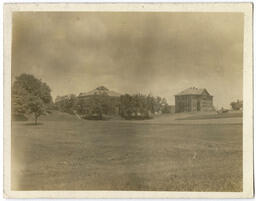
[245, 8]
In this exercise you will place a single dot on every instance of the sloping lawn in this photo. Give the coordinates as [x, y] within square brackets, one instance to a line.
[213, 116]
[71, 154]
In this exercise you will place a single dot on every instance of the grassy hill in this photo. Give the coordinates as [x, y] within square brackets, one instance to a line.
[65, 153]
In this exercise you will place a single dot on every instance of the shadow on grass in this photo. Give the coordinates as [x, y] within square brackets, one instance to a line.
[33, 124]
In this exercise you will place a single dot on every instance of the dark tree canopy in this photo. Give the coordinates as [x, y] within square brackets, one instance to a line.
[68, 104]
[136, 106]
[237, 105]
[96, 106]
[140, 106]
[30, 96]
[34, 86]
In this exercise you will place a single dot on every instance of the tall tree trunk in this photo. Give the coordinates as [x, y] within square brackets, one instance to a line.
[36, 117]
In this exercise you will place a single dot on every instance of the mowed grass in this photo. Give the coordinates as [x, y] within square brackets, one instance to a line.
[71, 154]
[238, 114]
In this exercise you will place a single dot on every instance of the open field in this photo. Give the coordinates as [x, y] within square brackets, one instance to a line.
[64, 153]
[214, 116]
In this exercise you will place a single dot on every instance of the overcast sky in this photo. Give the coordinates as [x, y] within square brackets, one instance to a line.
[157, 53]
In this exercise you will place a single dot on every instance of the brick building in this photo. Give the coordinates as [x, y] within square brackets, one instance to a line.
[193, 99]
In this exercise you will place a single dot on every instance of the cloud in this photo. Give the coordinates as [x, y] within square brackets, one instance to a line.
[159, 53]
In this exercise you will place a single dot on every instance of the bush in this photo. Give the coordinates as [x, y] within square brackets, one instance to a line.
[237, 105]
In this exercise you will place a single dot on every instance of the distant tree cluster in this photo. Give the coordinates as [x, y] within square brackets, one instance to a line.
[128, 106]
[68, 104]
[237, 105]
[95, 107]
[90, 107]
[30, 96]
[141, 106]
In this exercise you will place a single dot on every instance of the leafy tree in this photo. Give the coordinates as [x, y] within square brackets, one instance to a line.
[237, 105]
[139, 106]
[35, 106]
[19, 95]
[68, 104]
[96, 106]
[30, 96]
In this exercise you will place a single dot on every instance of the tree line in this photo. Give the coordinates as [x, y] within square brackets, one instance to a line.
[92, 107]
[32, 96]
[141, 106]
[136, 106]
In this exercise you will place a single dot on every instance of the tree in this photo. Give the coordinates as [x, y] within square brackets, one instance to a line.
[30, 96]
[19, 95]
[237, 105]
[35, 106]
[68, 104]
[140, 106]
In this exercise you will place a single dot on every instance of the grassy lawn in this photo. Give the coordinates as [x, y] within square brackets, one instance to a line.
[214, 116]
[71, 154]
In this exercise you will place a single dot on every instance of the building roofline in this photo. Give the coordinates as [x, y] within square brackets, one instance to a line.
[191, 95]
[193, 91]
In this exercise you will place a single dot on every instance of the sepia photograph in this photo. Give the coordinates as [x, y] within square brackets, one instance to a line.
[134, 101]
